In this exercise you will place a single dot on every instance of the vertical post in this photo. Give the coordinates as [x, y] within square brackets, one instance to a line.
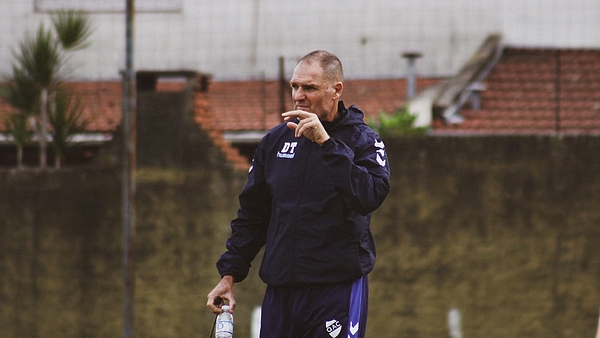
[411, 85]
[557, 97]
[598, 331]
[282, 85]
[129, 153]
[263, 81]
[454, 323]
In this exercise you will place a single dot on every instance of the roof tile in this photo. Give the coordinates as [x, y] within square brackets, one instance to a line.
[537, 91]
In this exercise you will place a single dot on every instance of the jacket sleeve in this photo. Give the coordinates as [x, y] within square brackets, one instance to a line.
[249, 229]
[362, 175]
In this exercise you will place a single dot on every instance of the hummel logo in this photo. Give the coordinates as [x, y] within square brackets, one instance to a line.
[288, 150]
[380, 153]
[353, 328]
[333, 327]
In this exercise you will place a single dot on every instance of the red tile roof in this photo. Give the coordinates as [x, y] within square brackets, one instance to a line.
[377, 95]
[5, 110]
[101, 101]
[255, 105]
[247, 105]
[536, 91]
[235, 105]
[530, 91]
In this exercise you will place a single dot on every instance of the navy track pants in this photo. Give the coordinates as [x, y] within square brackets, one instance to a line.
[315, 311]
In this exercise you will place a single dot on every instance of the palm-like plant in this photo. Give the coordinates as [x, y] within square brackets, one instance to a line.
[41, 59]
[73, 29]
[16, 126]
[20, 92]
[66, 120]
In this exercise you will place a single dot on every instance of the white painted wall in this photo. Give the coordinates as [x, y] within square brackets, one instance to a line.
[242, 39]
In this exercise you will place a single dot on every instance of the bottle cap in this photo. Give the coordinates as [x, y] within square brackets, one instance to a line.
[225, 308]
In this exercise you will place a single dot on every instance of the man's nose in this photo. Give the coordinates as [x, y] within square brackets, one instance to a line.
[298, 94]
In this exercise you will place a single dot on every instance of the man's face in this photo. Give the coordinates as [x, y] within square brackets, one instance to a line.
[311, 92]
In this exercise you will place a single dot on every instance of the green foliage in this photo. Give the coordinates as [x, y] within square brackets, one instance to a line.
[73, 29]
[66, 121]
[37, 72]
[20, 92]
[16, 126]
[399, 123]
[40, 58]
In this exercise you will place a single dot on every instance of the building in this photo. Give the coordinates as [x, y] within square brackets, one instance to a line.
[243, 53]
[244, 39]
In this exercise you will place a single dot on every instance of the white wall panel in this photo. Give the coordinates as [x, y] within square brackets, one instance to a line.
[242, 39]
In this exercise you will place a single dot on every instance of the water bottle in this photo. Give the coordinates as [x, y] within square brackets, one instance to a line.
[224, 327]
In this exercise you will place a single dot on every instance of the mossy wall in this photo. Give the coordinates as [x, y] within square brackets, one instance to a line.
[504, 229]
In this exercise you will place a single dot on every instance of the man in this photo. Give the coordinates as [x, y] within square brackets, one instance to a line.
[313, 184]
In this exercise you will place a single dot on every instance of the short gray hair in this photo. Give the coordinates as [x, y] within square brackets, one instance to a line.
[329, 62]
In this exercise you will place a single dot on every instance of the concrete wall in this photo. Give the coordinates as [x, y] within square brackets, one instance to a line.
[243, 39]
[504, 229]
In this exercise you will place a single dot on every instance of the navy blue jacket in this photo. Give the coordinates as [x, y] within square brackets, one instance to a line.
[310, 205]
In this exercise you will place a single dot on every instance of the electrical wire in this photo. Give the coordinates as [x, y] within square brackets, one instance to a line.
[212, 331]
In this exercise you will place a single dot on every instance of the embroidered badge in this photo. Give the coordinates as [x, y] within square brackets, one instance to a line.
[288, 150]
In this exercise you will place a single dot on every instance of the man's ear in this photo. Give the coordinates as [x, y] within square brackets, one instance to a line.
[339, 88]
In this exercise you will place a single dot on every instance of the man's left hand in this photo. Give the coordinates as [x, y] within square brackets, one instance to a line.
[308, 126]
